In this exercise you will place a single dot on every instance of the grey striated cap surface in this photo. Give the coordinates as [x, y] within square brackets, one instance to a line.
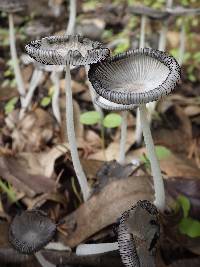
[149, 12]
[31, 231]
[135, 77]
[138, 233]
[76, 50]
[108, 105]
[12, 6]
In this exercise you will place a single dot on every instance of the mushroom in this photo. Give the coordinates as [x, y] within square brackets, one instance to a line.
[145, 12]
[136, 241]
[69, 50]
[10, 7]
[108, 105]
[138, 77]
[31, 231]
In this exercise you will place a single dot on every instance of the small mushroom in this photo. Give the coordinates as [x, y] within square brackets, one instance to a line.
[138, 233]
[10, 7]
[138, 77]
[69, 50]
[31, 231]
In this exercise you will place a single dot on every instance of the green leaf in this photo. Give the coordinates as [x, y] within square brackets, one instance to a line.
[185, 205]
[90, 117]
[10, 105]
[8, 189]
[112, 120]
[45, 101]
[189, 227]
[162, 152]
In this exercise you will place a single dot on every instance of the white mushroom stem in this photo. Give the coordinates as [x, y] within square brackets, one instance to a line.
[72, 139]
[151, 153]
[43, 262]
[90, 249]
[35, 80]
[93, 93]
[138, 130]
[142, 31]
[164, 29]
[18, 76]
[72, 17]
[55, 77]
[182, 44]
[122, 149]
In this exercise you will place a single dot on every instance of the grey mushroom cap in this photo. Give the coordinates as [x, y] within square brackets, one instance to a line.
[137, 226]
[12, 6]
[30, 231]
[135, 77]
[72, 49]
[182, 11]
[108, 105]
[149, 12]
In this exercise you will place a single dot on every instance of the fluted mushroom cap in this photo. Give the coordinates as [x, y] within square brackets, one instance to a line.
[12, 6]
[76, 50]
[108, 105]
[138, 233]
[31, 231]
[149, 12]
[135, 77]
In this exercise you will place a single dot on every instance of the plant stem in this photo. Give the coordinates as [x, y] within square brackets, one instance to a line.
[35, 80]
[151, 153]
[72, 139]
[43, 262]
[18, 76]
[55, 77]
[123, 137]
[72, 18]
[90, 249]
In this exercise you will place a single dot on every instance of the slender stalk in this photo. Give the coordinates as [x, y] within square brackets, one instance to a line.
[138, 130]
[151, 153]
[72, 18]
[164, 29]
[43, 262]
[123, 137]
[35, 80]
[72, 139]
[182, 44]
[55, 77]
[18, 76]
[142, 31]
[90, 249]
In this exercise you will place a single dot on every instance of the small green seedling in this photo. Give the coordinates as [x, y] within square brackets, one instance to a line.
[161, 152]
[10, 105]
[47, 99]
[8, 189]
[112, 120]
[187, 225]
